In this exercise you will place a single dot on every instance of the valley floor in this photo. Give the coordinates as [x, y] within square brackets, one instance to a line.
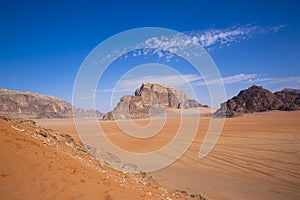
[257, 155]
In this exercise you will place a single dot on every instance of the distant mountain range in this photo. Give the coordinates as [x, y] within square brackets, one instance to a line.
[26, 105]
[151, 97]
[148, 98]
[258, 99]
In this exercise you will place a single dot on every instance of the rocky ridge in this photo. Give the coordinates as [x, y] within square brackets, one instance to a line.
[28, 105]
[258, 99]
[150, 97]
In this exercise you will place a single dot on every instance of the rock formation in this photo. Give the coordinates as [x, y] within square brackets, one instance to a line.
[258, 99]
[26, 105]
[150, 96]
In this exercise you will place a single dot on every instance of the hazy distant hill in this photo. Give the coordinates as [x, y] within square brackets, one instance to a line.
[258, 99]
[150, 96]
[24, 105]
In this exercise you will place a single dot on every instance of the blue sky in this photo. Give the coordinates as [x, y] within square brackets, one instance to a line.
[43, 43]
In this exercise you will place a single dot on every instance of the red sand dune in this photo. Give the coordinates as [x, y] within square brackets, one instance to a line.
[36, 167]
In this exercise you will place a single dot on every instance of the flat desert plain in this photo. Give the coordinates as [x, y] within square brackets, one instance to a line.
[256, 157]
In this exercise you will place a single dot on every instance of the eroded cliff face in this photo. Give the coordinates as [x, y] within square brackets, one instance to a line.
[150, 96]
[26, 105]
[258, 99]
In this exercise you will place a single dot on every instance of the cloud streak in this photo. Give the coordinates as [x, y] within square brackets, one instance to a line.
[188, 43]
[130, 84]
[292, 79]
[238, 78]
[250, 79]
[231, 35]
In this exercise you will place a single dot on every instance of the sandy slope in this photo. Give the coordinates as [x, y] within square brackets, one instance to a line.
[256, 157]
[36, 167]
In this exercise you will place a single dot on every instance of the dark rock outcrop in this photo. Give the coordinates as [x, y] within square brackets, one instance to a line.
[290, 98]
[150, 98]
[26, 105]
[258, 99]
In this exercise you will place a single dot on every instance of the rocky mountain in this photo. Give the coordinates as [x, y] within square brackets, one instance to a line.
[148, 97]
[291, 91]
[26, 105]
[258, 99]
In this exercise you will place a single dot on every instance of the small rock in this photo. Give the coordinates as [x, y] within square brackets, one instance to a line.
[41, 132]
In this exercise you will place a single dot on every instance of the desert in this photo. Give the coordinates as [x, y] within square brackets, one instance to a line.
[256, 157]
[39, 163]
[150, 100]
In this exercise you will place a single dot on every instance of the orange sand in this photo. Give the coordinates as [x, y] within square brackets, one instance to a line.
[33, 170]
[256, 157]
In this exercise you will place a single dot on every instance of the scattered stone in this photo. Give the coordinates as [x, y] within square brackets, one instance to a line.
[200, 196]
[68, 137]
[149, 193]
[4, 118]
[41, 132]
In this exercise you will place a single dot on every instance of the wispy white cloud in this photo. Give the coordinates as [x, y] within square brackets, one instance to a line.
[267, 80]
[188, 43]
[238, 78]
[130, 84]
[209, 39]
[250, 78]
[233, 34]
